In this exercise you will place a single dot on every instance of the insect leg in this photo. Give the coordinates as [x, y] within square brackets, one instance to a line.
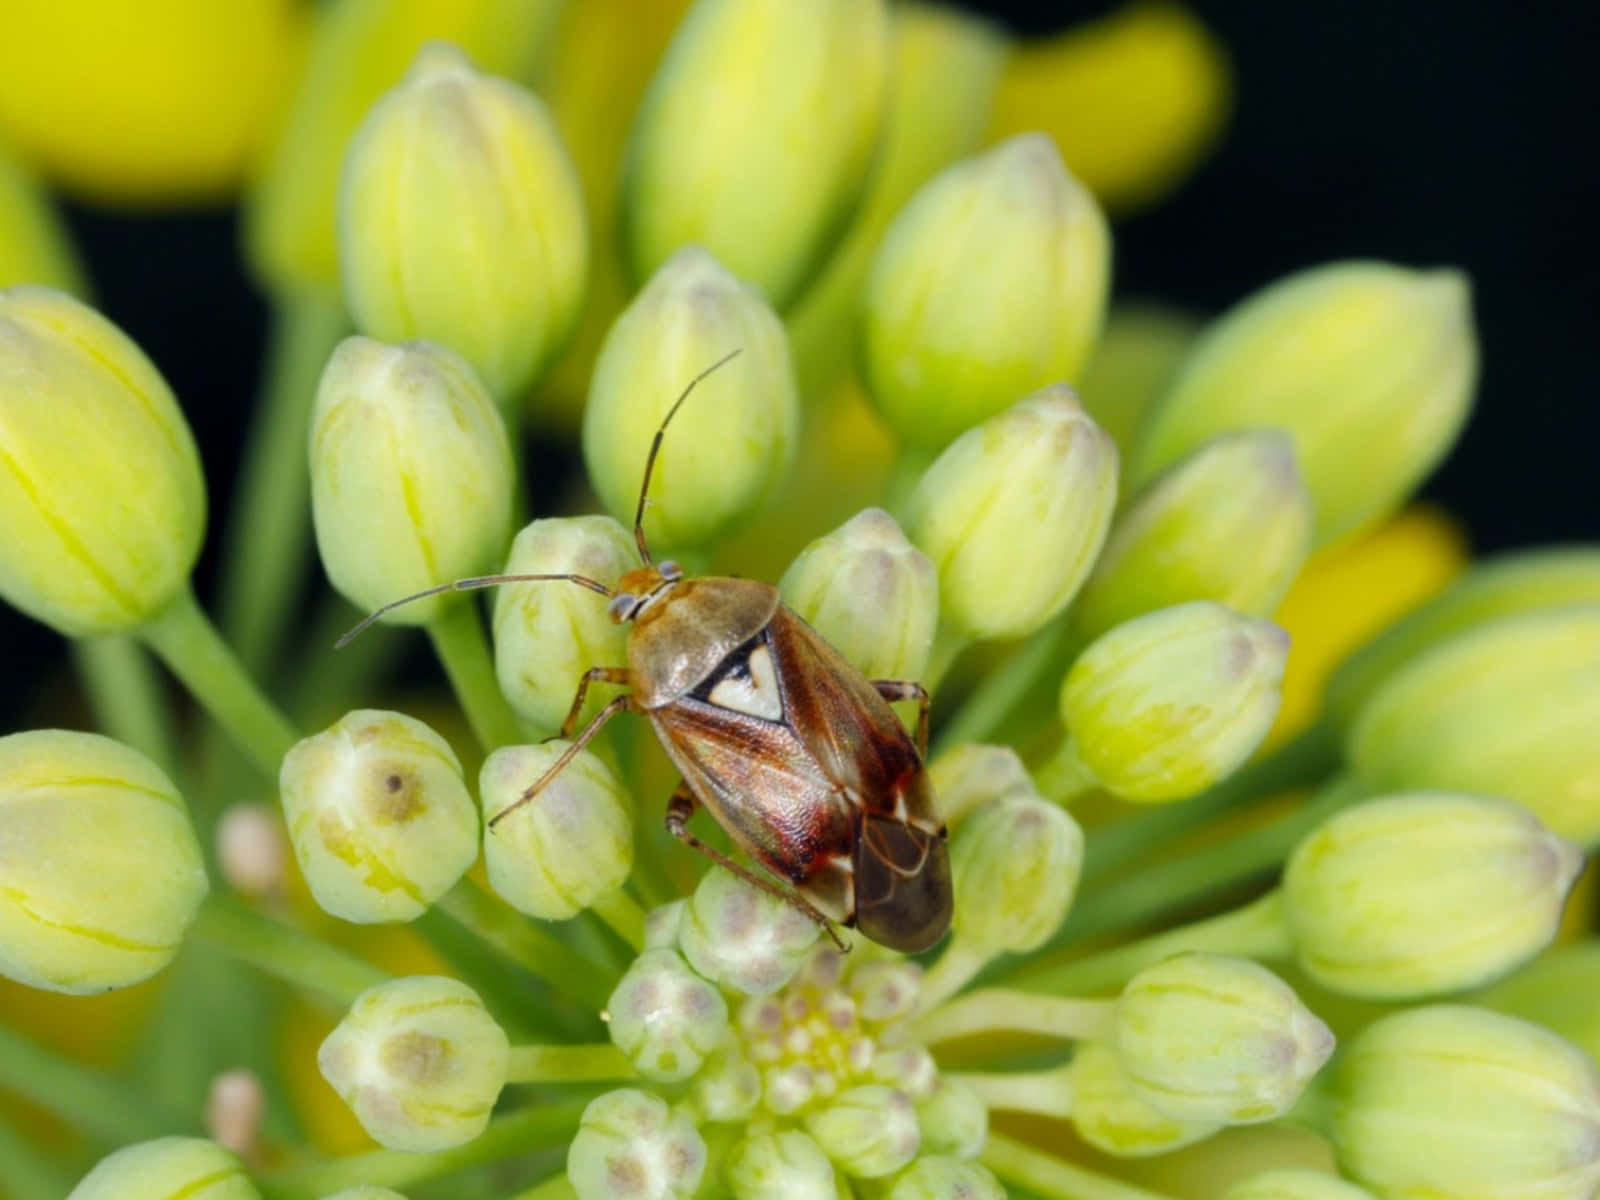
[592, 675]
[901, 689]
[567, 755]
[681, 807]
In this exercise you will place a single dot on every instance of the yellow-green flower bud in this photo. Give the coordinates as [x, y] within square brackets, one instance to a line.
[954, 1120]
[1013, 514]
[779, 1166]
[744, 938]
[728, 1087]
[1505, 709]
[1108, 1115]
[169, 1168]
[631, 1146]
[1498, 587]
[103, 504]
[1430, 892]
[1295, 1183]
[871, 593]
[34, 245]
[665, 1018]
[1204, 1037]
[1014, 866]
[1557, 990]
[887, 990]
[419, 1061]
[733, 439]
[1231, 523]
[1368, 366]
[379, 816]
[1168, 703]
[365, 1192]
[808, 85]
[565, 848]
[973, 775]
[937, 1178]
[661, 925]
[1135, 360]
[547, 634]
[1456, 1101]
[102, 872]
[411, 474]
[868, 1131]
[461, 221]
[990, 284]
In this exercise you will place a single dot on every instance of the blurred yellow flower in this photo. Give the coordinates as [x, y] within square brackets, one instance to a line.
[158, 102]
[1133, 100]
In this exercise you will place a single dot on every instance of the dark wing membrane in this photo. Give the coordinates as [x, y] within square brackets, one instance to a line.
[902, 884]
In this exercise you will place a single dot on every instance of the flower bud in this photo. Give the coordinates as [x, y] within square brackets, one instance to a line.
[665, 1018]
[169, 1168]
[1110, 1116]
[379, 816]
[936, 1178]
[954, 1120]
[365, 1192]
[102, 872]
[411, 474]
[661, 925]
[1295, 1183]
[990, 284]
[252, 849]
[728, 1087]
[631, 1146]
[103, 505]
[1510, 584]
[565, 848]
[1508, 709]
[1429, 892]
[461, 221]
[871, 593]
[1013, 514]
[973, 775]
[887, 990]
[732, 441]
[1014, 867]
[1368, 366]
[1203, 1037]
[743, 938]
[419, 1061]
[809, 85]
[1135, 360]
[547, 634]
[868, 1131]
[1455, 1101]
[236, 1103]
[34, 245]
[1168, 703]
[1230, 523]
[786, 1165]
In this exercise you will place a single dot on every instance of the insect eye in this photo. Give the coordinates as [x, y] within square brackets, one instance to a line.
[670, 571]
[621, 606]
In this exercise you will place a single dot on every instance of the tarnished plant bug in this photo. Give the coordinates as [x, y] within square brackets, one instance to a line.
[794, 752]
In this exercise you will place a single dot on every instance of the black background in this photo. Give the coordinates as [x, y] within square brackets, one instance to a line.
[1426, 133]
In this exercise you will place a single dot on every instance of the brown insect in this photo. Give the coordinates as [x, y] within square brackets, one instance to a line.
[796, 754]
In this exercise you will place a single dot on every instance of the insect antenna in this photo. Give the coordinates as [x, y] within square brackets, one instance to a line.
[465, 585]
[655, 448]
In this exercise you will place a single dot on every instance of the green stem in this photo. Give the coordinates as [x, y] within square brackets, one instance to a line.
[1256, 930]
[957, 966]
[1305, 759]
[125, 693]
[266, 542]
[568, 1064]
[25, 1174]
[623, 914]
[87, 1099]
[1002, 689]
[536, 1127]
[1048, 1093]
[459, 641]
[527, 944]
[1064, 778]
[1050, 1177]
[993, 1009]
[284, 952]
[189, 644]
[326, 681]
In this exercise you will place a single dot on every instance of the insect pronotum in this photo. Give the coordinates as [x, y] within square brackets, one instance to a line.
[795, 753]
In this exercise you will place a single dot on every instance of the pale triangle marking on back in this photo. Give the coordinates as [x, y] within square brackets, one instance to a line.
[752, 690]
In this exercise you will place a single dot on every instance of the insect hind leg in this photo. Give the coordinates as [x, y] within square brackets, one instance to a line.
[681, 807]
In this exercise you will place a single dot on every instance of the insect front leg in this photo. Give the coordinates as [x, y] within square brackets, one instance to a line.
[903, 689]
[592, 675]
[593, 727]
[681, 807]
